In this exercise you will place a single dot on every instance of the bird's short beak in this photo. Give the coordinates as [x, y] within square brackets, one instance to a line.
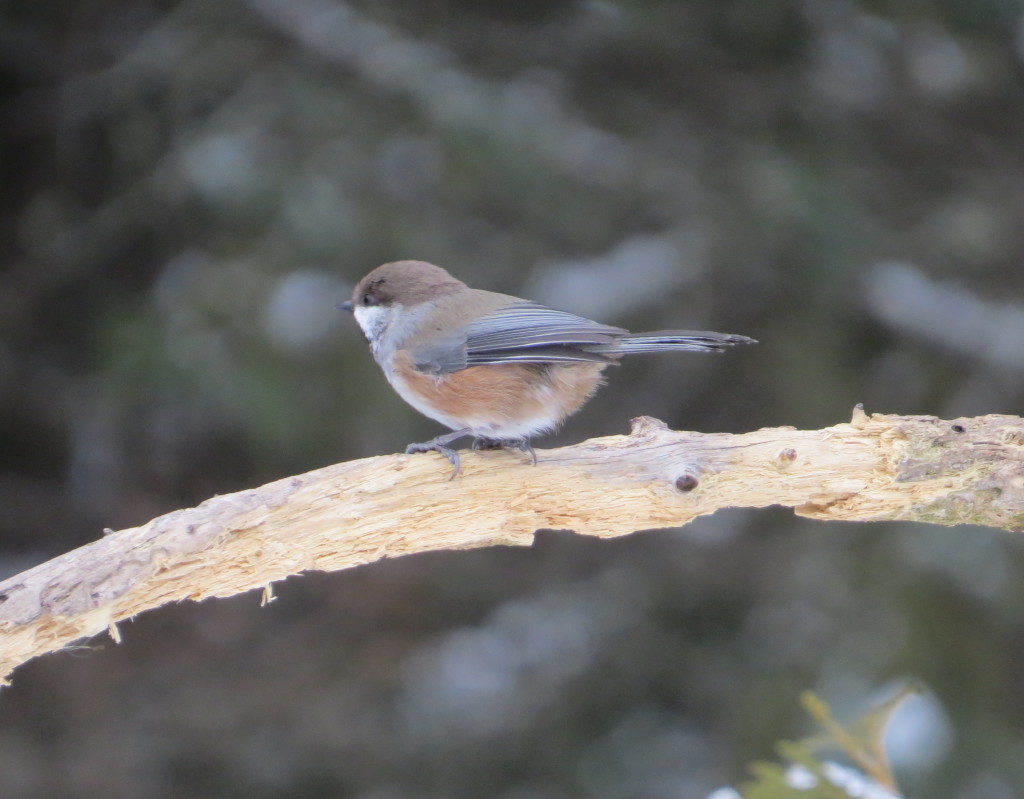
[345, 306]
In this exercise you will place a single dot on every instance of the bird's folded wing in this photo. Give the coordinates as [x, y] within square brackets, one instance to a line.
[520, 333]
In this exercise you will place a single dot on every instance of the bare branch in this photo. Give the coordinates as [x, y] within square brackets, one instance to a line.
[968, 471]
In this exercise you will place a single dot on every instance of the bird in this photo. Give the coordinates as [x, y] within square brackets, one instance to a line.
[492, 366]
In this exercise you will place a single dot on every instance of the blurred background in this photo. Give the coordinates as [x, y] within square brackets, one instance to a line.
[190, 186]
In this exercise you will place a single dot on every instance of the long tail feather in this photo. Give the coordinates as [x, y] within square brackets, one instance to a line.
[662, 340]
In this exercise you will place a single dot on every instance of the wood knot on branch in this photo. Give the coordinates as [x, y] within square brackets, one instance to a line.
[785, 456]
[686, 482]
[646, 427]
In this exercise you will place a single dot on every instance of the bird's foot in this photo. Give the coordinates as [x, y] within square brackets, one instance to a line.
[522, 444]
[440, 445]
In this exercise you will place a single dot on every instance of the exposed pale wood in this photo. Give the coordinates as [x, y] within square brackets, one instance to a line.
[882, 467]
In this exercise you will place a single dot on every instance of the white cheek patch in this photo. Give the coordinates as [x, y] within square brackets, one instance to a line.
[373, 319]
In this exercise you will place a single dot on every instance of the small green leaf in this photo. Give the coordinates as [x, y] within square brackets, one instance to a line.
[808, 776]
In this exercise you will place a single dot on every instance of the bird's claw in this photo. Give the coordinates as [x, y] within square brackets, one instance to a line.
[522, 444]
[439, 447]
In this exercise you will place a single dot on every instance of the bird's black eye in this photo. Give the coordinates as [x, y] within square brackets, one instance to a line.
[375, 294]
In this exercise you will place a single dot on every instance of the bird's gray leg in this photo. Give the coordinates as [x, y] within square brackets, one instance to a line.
[440, 445]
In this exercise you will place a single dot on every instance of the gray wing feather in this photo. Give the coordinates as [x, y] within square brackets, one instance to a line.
[528, 324]
[521, 333]
[527, 332]
[546, 354]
